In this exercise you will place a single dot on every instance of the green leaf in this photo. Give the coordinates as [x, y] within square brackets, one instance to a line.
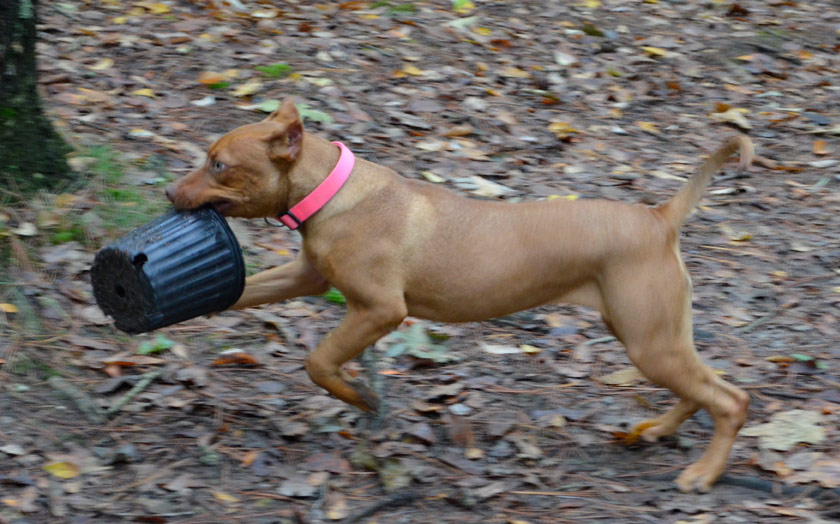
[269, 106]
[335, 296]
[403, 8]
[307, 112]
[275, 70]
[219, 85]
[161, 343]
[591, 30]
[802, 358]
[416, 342]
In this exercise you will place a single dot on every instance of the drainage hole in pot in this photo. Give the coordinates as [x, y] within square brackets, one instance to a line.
[120, 291]
[140, 259]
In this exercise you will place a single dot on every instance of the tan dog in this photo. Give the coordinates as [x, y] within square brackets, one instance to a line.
[396, 247]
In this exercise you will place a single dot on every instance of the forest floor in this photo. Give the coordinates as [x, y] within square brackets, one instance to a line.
[515, 420]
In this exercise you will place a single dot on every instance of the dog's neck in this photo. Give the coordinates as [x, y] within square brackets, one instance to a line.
[315, 162]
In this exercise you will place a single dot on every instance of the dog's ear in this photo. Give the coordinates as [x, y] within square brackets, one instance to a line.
[286, 113]
[284, 143]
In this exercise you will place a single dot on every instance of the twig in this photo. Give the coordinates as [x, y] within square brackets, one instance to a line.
[542, 389]
[79, 397]
[144, 382]
[398, 499]
[602, 340]
[162, 472]
[759, 321]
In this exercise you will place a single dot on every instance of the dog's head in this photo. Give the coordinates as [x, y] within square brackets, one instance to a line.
[245, 171]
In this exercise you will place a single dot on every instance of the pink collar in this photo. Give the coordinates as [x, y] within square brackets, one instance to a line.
[322, 194]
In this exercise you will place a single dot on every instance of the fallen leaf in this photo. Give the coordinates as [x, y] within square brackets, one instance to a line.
[105, 63]
[787, 429]
[486, 188]
[649, 127]
[562, 130]
[655, 51]
[26, 229]
[412, 70]
[826, 472]
[236, 357]
[462, 6]
[297, 487]
[431, 177]
[497, 349]
[224, 497]
[336, 507]
[144, 92]
[739, 236]
[529, 349]
[821, 147]
[156, 8]
[623, 377]
[63, 470]
[13, 449]
[8, 308]
[394, 475]
[571, 197]
[248, 88]
[733, 116]
[527, 445]
[514, 72]
[211, 78]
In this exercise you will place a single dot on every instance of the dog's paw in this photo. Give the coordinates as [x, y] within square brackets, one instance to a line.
[698, 477]
[652, 430]
[367, 400]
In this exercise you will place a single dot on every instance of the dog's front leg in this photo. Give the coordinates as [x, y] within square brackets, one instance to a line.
[363, 325]
[295, 279]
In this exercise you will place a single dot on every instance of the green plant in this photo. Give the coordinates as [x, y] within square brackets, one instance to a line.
[275, 70]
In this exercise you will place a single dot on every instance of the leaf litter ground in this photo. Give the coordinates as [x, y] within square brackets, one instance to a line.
[521, 419]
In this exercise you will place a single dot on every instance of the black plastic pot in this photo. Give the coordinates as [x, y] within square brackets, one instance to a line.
[177, 267]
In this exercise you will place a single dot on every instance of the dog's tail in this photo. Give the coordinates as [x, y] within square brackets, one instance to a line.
[679, 207]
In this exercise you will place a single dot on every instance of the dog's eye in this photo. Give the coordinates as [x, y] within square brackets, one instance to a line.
[218, 166]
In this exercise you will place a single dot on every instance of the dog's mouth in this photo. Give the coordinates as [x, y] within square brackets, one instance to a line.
[222, 205]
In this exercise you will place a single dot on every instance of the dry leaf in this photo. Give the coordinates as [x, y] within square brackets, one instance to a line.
[224, 497]
[337, 508]
[487, 188]
[431, 177]
[144, 92]
[733, 116]
[787, 429]
[739, 236]
[236, 357]
[514, 72]
[105, 63]
[821, 147]
[571, 197]
[623, 377]
[650, 127]
[8, 308]
[211, 77]
[413, 70]
[562, 130]
[63, 470]
[655, 51]
[826, 472]
[248, 88]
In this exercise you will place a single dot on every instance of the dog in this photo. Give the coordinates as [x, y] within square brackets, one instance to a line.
[395, 247]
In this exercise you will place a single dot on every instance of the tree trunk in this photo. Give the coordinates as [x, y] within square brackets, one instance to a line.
[32, 155]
